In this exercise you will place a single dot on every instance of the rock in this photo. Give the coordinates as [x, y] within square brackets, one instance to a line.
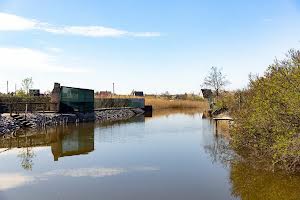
[9, 125]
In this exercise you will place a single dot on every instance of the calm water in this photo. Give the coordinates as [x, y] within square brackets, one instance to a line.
[169, 156]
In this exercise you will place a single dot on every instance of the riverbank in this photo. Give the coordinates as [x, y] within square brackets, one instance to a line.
[10, 126]
[267, 116]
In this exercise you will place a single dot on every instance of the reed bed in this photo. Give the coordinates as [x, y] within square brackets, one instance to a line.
[162, 103]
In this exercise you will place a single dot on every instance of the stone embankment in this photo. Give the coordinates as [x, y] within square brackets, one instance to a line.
[11, 126]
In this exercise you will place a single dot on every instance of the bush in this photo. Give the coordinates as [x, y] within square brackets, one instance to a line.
[267, 125]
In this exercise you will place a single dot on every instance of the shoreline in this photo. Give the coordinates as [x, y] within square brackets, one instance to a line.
[12, 126]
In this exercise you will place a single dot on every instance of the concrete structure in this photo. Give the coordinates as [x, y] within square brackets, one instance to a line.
[55, 98]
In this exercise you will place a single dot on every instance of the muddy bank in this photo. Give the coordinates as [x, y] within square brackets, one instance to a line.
[10, 126]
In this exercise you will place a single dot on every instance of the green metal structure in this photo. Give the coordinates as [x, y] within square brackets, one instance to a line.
[76, 100]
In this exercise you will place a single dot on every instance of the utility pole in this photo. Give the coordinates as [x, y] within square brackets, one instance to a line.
[113, 88]
[15, 88]
[6, 87]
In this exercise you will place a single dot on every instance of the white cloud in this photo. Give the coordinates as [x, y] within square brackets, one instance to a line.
[54, 50]
[146, 34]
[9, 22]
[29, 59]
[88, 31]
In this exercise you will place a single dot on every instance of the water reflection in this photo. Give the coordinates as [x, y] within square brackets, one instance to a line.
[220, 152]
[27, 155]
[64, 141]
[97, 172]
[249, 183]
[72, 141]
[13, 180]
[170, 112]
[172, 156]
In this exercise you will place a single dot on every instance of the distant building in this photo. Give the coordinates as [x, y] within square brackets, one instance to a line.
[138, 93]
[34, 92]
[103, 94]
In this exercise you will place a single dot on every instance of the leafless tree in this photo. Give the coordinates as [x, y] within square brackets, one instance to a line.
[27, 83]
[216, 80]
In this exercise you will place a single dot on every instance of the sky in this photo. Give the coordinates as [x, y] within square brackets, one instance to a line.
[153, 46]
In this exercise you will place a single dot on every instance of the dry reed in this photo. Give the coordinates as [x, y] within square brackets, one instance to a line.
[161, 103]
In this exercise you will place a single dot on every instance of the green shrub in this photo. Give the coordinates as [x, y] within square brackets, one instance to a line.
[267, 125]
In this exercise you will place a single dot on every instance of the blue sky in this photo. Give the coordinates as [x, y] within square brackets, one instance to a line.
[154, 46]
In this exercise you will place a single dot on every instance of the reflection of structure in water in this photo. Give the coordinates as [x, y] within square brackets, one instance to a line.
[64, 141]
[69, 142]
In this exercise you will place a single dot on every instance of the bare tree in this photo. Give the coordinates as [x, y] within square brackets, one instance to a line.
[27, 83]
[215, 80]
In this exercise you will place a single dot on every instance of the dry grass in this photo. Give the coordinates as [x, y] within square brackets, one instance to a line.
[125, 97]
[161, 103]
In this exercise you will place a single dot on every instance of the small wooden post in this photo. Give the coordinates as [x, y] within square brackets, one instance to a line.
[216, 127]
[10, 109]
[221, 119]
[26, 107]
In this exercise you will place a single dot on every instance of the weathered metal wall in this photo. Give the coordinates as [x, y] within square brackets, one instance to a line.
[120, 102]
[76, 99]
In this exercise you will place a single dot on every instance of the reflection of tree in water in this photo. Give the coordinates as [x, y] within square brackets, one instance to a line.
[220, 152]
[249, 183]
[26, 156]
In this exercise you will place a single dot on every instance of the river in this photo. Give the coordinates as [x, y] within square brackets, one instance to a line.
[171, 155]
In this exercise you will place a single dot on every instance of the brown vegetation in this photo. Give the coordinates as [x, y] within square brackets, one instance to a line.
[164, 103]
